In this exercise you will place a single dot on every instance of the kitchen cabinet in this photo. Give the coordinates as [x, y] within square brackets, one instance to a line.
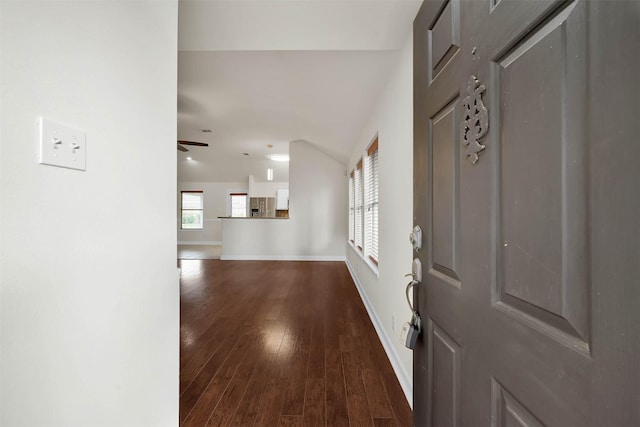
[282, 199]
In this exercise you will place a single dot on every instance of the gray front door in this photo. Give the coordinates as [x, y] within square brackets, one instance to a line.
[527, 187]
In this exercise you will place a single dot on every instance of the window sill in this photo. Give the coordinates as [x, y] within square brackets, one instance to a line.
[371, 264]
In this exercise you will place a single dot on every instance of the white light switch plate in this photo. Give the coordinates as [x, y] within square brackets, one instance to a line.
[62, 145]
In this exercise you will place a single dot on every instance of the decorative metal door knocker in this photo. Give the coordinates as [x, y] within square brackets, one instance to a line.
[475, 122]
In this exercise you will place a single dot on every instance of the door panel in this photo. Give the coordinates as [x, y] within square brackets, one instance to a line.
[541, 271]
[444, 37]
[507, 411]
[529, 307]
[444, 377]
[444, 147]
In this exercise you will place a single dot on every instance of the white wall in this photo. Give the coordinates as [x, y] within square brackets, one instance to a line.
[89, 292]
[266, 189]
[317, 226]
[216, 195]
[392, 119]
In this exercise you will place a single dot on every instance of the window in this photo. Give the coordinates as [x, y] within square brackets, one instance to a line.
[363, 205]
[238, 204]
[352, 214]
[357, 223]
[192, 206]
[371, 203]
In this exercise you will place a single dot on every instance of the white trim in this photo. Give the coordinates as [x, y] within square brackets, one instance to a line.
[201, 242]
[281, 258]
[372, 266]
[405, 381]
[365, 259]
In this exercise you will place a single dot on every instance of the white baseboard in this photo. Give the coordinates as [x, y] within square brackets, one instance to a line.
[406, 382]
[202, 242]
[280, 258]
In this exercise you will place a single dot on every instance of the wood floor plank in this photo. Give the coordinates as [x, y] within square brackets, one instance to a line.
[290, 421]
[316, 365]
[297, 341]
[337, 412]
[206, 348]
[271, 402]
[273, 396]
[401, 410]
[209, 399]
[228, 404]
[376, 394]
[294, 392]
[384, 422]
[197, 387]
[377, 354]
[359, 413]
[249, 405]
[270, 343]
[314, 402]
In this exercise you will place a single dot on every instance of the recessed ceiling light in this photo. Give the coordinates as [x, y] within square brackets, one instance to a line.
[207, 130]
[279, 157]
[189, 158]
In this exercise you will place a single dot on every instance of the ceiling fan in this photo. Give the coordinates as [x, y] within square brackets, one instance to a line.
[197, 144]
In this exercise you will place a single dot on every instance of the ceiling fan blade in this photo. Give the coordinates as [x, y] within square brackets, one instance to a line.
[181, 148]
[199, 144]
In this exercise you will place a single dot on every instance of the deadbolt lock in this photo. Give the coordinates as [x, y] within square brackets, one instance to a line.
[416, 238]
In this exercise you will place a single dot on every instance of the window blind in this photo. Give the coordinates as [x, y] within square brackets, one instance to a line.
[352, 214]
[238, 204]
[371, 203]
[357, 179]
[192, 200]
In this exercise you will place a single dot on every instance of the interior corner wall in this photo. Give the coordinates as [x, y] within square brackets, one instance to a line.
[316, 226]
[318, 199]
[392, 120]
[88, 283]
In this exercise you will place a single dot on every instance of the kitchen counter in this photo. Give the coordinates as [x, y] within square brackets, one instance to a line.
[252, 217]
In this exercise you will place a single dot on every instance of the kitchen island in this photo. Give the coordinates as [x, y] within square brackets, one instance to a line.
[259, 238]
[254, 237]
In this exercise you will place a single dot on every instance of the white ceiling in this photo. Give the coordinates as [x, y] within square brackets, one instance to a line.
[272, 71]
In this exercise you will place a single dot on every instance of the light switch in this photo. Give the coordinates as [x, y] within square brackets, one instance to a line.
[62, 145]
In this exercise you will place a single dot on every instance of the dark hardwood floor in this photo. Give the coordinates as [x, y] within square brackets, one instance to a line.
[275, 343]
